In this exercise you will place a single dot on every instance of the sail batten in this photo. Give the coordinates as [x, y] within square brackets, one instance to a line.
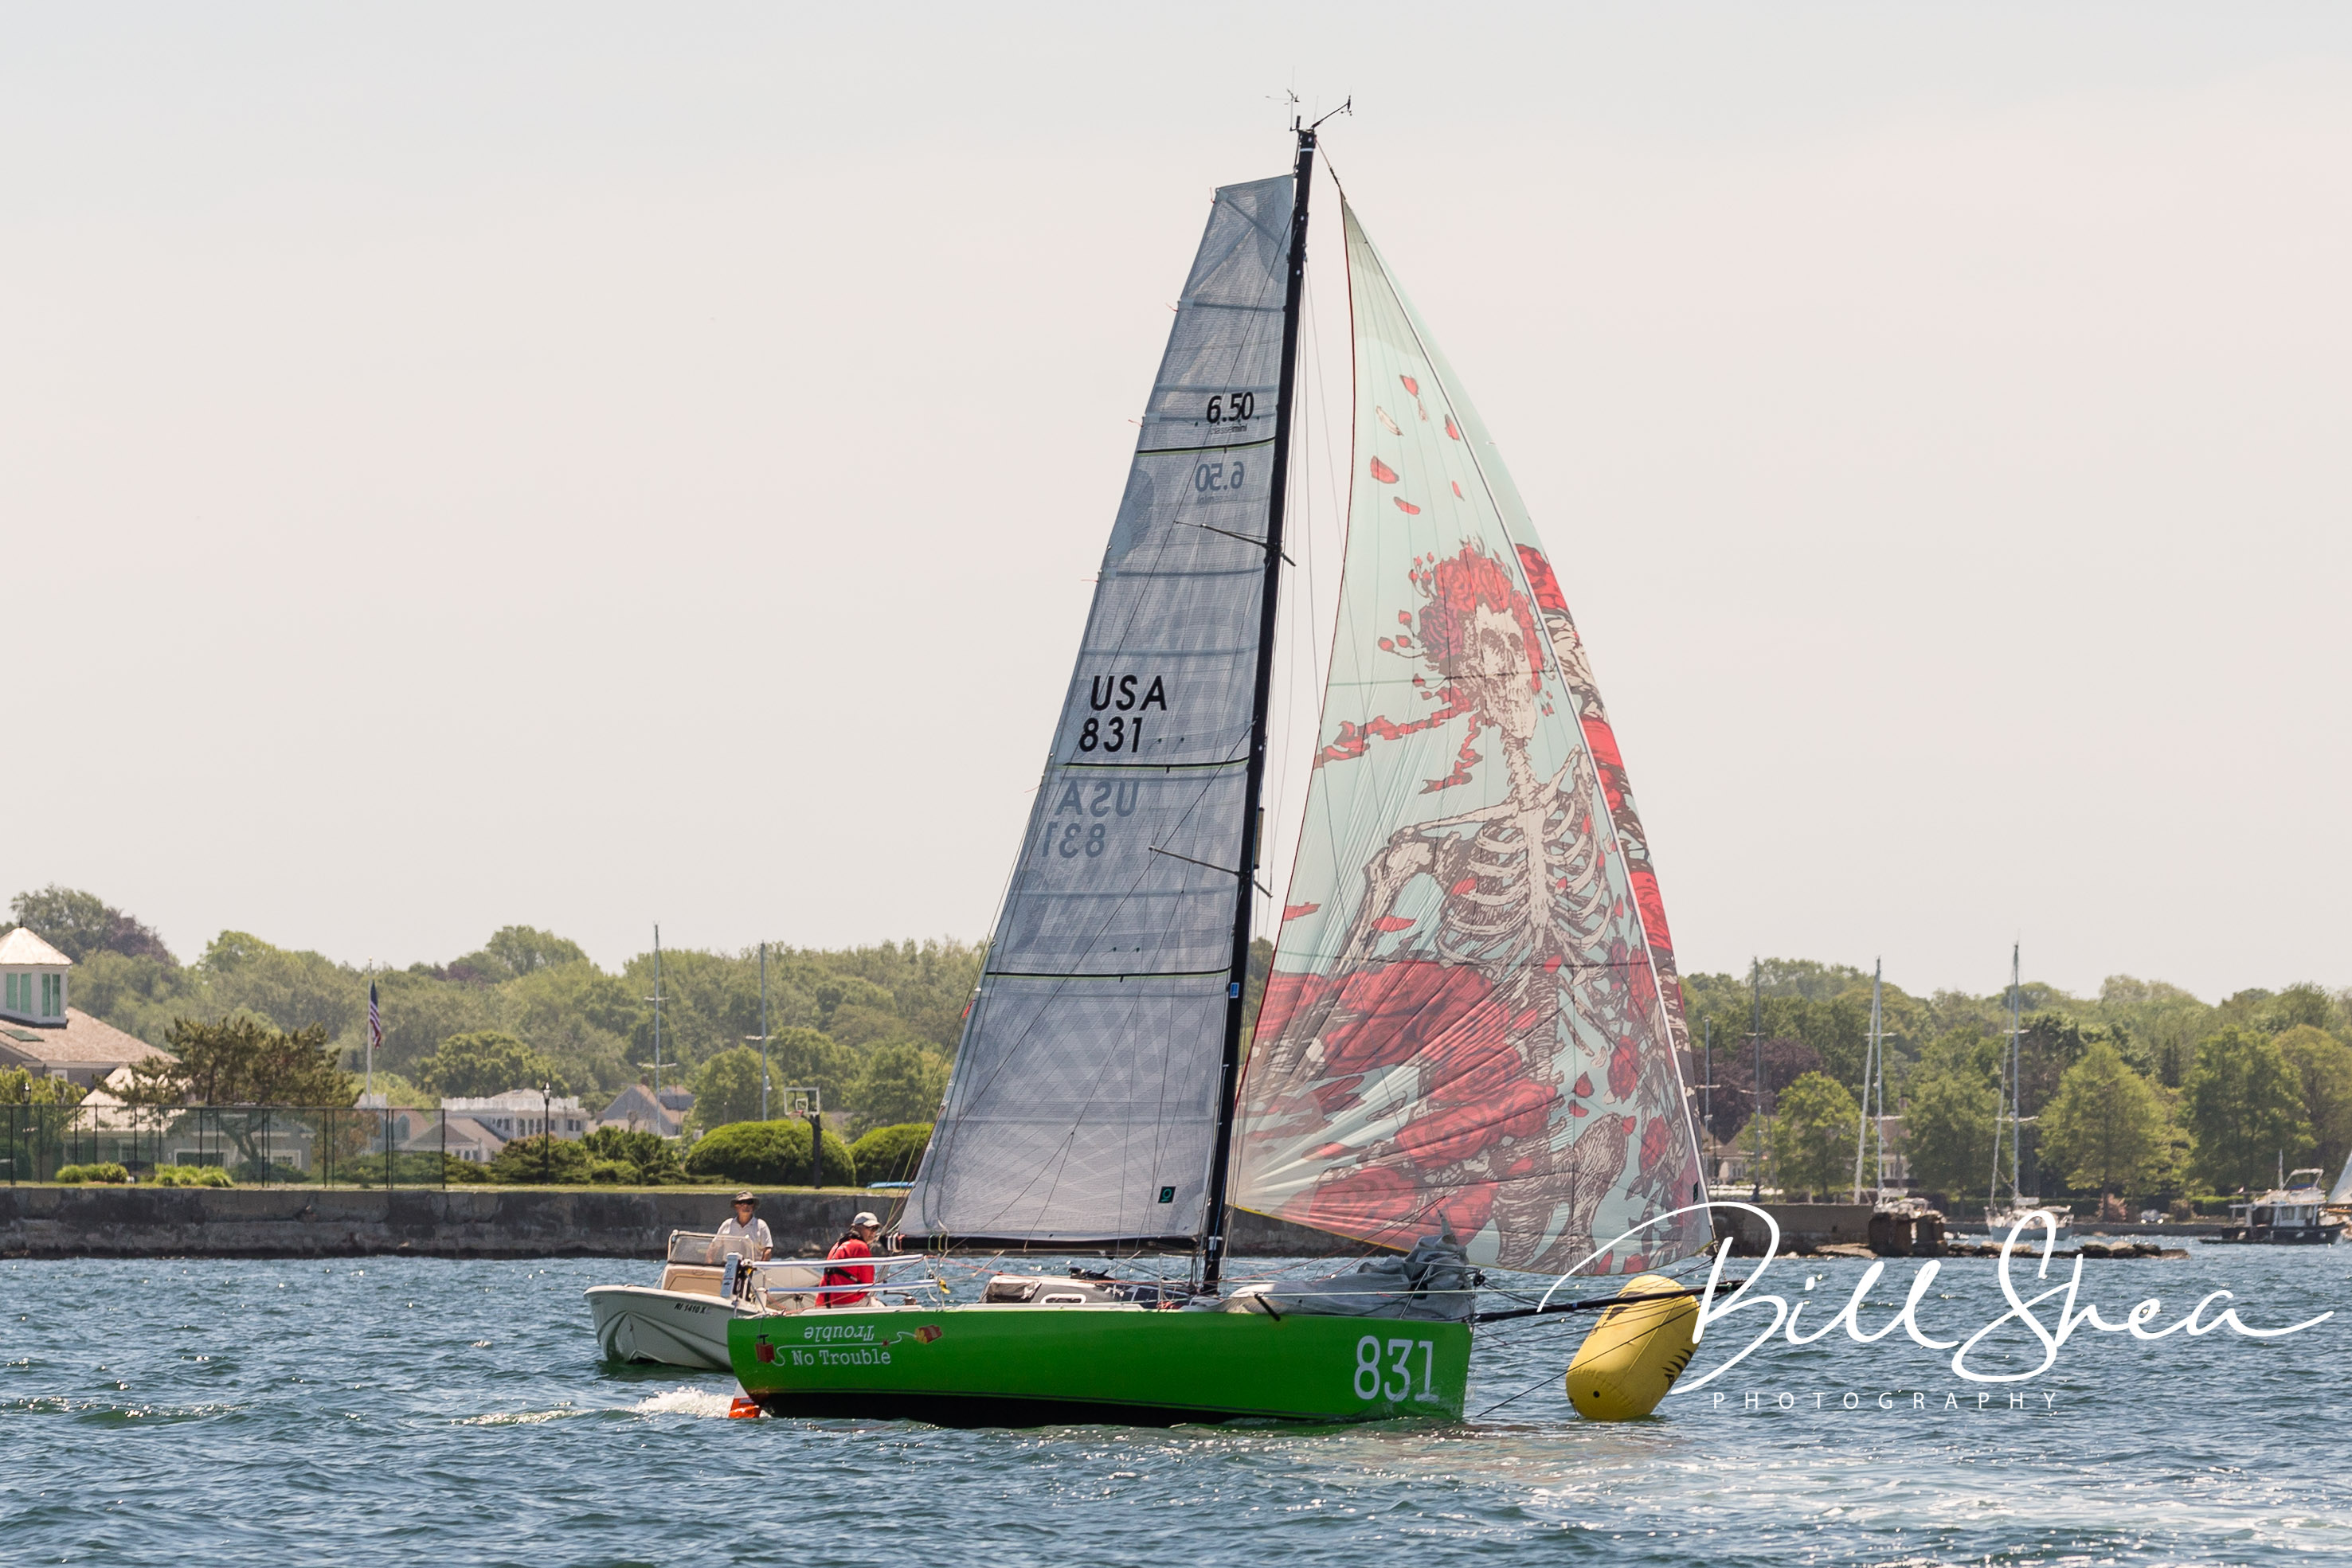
[1083, 1107]
[1467, 1027]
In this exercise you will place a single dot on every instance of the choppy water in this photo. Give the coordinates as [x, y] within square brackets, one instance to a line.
[415, 1410]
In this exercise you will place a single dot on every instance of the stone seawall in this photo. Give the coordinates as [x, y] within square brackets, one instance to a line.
[455, 1222]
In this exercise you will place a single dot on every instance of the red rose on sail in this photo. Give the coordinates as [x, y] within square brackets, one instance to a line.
[1369, 1199]
[1624, 1071]
[1401, 1010]
[1657, 1142]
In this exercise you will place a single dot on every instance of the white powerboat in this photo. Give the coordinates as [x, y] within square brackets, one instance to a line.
[2059, 1220]
[683, 1320]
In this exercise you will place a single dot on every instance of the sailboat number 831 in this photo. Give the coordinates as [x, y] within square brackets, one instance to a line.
[1394, 1380]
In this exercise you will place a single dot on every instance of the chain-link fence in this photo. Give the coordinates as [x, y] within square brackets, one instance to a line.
[271, 1145]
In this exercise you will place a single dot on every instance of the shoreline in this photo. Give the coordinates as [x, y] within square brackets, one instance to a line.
[63, 1222]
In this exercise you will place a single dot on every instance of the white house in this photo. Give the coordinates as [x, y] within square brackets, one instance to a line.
[41, 1034]
[32, 978]
[635, 1109]
[460, 1137]
[521, 1113]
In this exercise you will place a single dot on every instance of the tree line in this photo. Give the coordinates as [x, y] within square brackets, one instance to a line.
[2142, 1093]
[872, 1028]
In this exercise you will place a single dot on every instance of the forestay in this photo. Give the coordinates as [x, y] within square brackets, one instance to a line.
[1082, 1105]
[1472, 1020]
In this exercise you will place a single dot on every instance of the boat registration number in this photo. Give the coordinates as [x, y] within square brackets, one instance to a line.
[1385, 1371]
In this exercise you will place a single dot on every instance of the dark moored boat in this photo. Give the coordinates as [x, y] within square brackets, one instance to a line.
[2292, 1216]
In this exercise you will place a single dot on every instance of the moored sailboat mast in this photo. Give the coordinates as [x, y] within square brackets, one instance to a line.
[1213, 1215]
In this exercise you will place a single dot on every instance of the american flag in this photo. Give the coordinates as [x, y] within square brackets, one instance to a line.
[375, 1018]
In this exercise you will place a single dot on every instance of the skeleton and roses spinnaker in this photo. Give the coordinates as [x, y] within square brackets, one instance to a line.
[1467, 1051]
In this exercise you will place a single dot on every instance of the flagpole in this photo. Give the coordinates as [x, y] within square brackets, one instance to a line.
[375, 1034]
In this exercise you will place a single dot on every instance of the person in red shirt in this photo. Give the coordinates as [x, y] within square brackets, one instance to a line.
[857, 1243]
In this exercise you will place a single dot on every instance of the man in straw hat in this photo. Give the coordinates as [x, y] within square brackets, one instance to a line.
[744, 1233]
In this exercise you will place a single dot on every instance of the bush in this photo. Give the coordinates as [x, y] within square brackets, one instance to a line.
[412, 1167]
[73, 1175]
[191, 1175]
[891, 1154]
[540, 1161]
[773, 1153]
[271, 1173]
[652, 1159]
[611, 1173]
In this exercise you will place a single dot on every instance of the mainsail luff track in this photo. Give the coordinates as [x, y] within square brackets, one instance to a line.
[1213, 1216]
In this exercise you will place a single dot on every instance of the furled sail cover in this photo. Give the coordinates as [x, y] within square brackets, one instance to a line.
[1466, 1024]
[1082, 1103]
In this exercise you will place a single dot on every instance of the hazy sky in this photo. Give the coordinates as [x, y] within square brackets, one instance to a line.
[587, 466]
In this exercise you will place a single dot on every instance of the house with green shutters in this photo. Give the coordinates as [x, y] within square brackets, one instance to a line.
[40, 1032]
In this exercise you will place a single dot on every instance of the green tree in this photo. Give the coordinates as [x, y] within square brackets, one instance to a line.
[400, 1091]
[241, 1061]
[805, 1058]
[651, 1159]
[772, 1154]
[1948, 1131]
[901, 1083]
[79, 924]
[2300, 1005]
[487, 1061]
[580, 1018]
[726, 1089]
[294, 991]
[539, 1161]
[891, 1154]
[2323, 1064]
[2164, 1023]
[19, 1087]
[1812, 1138]
[835, 992]
[525, 950]
[419, 1013]
[2105, 1129]
[2243, 1106]
[139, 995]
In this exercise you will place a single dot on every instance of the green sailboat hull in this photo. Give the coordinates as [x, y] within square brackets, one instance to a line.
[990, 1366]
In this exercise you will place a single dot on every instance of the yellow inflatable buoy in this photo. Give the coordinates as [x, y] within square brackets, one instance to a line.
[1634, 1355]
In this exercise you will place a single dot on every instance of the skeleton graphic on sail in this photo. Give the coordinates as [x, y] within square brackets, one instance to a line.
[1465, 1027]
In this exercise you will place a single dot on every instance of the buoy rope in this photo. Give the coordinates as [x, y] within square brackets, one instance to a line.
[1596, 1302]
[1544, 1382]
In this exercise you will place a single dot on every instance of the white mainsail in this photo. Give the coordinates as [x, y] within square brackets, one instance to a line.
[1083, 1105]
[1472, 1020]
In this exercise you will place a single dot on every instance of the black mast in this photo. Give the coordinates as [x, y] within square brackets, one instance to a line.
[1755, 1103]
[1213, 1244]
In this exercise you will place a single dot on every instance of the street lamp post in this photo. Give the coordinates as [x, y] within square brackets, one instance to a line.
[656, 999]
